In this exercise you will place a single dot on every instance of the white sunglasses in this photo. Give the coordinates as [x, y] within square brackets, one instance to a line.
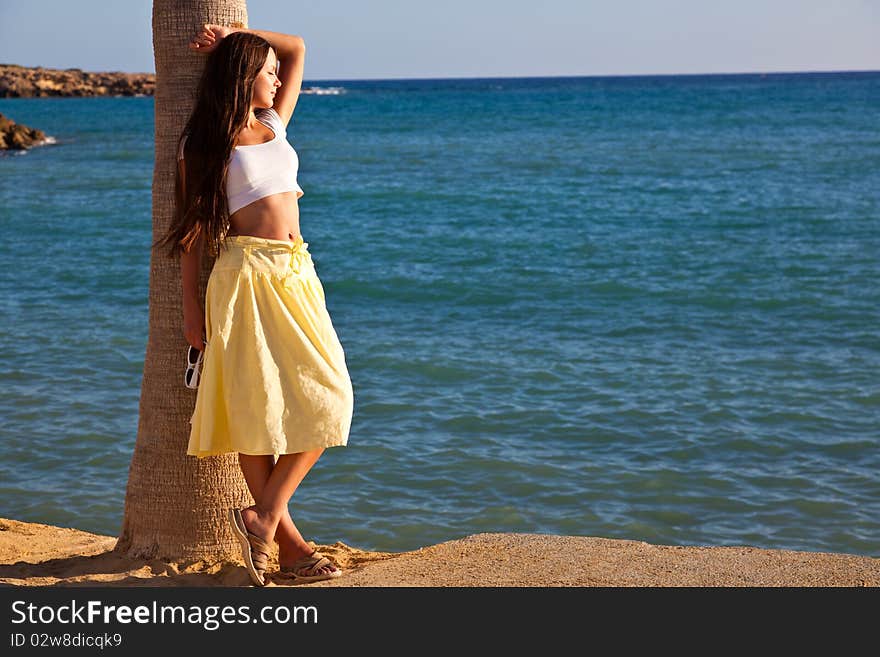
[193, 366]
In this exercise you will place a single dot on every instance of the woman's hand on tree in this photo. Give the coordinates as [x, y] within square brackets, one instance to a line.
[207, 38]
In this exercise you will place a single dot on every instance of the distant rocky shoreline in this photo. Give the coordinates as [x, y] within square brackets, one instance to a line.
[38, 82]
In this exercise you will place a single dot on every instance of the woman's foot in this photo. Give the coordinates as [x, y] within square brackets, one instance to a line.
[306, 564]
[259, 525]
[303, 562]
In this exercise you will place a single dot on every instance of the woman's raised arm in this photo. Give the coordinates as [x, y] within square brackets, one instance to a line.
[291, 51]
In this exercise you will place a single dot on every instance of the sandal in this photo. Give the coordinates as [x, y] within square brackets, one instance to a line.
[253, 548]
[311, 564]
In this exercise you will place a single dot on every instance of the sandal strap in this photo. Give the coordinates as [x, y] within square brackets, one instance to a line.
[311, 563]
[260, 560]
[260, 550]
[259, 545]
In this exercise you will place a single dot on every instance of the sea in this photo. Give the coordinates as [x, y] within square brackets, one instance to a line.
[640, 308]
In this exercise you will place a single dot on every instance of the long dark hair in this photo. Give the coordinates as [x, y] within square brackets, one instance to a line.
[223, 99]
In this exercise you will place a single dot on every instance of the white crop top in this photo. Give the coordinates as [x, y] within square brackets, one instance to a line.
[259, 170]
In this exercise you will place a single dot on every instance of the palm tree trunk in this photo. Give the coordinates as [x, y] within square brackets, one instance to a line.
[175, 504]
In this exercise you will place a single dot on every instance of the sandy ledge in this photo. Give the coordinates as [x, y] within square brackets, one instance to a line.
[42, 555]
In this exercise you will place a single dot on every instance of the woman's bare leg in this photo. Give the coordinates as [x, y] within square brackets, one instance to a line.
[257, 470]
[272, 485]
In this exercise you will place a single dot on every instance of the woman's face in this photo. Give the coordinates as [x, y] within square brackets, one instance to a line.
[267, 82]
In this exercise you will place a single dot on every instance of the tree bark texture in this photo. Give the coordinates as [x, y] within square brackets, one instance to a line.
[175, 504]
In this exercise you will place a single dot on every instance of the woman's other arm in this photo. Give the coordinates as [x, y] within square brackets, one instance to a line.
[193, 313]
[190, 266]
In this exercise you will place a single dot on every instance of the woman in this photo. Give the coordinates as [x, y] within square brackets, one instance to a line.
[274, 385]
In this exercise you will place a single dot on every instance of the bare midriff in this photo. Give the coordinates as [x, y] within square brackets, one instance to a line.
[274, 217]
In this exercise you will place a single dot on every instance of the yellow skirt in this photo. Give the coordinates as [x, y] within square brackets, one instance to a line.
[274, 378]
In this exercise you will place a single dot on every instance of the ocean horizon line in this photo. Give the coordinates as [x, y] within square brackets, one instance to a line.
[516, 77]
[600, 76]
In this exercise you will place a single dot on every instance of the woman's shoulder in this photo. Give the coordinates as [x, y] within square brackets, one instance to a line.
[272, 117]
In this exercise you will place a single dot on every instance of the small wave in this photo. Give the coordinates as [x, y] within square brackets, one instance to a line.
[323, 91]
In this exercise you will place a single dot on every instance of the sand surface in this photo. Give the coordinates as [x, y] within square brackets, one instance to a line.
[42, 555]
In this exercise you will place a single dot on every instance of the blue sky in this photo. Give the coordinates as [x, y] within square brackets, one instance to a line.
[356, 39]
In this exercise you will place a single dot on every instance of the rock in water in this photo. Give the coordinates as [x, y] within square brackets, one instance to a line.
[14, 136]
